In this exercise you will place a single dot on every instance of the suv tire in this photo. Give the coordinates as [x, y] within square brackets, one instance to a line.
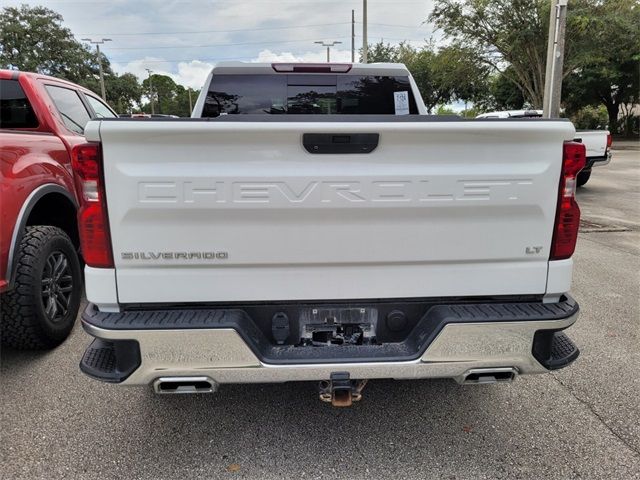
[40, 310]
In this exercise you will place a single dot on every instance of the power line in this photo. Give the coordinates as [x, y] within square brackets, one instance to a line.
[218, 44]
[220, 31]
[422, 25]
[237, 44]
[381, 37]
[178, 2]
[182, 60]
[215, 59]
[261, 29]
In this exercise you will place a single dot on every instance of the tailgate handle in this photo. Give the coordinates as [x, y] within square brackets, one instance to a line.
[340, 142]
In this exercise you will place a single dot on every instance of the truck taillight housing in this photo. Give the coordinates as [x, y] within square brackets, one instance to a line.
[93, 223]
[565, 233]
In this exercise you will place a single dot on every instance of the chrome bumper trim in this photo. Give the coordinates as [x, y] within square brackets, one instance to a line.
[222, 354]
[602, 163]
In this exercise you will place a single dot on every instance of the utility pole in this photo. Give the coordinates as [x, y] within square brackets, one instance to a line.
[97, 43]
[328, 45]
[365, 42]
[551, 40]
[190, 104]
[353, 36]
[555, 59]
[149, 72]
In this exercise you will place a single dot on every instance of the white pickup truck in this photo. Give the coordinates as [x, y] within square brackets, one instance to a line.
[311, 222]
[596, 142]
[598, 147]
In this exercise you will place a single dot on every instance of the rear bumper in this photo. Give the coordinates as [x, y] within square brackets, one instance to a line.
[137, 348]
[598, 161]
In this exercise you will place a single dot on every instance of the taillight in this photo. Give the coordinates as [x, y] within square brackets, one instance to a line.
[609, 141]
[93, 223]
[565, 232]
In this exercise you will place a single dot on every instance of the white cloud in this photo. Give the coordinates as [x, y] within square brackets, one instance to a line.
[183, 38]
[190, 74]
[309, 57]
[194, 73]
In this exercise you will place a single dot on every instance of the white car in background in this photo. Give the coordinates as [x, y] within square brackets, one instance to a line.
[597, 142]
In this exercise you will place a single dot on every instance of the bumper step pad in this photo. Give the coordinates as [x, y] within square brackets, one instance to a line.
[554, 350]
[563, 351]
[110, 361]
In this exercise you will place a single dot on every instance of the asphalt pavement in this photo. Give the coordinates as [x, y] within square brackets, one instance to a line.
[579, 422]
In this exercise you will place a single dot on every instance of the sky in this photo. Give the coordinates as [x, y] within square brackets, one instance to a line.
[185, 38]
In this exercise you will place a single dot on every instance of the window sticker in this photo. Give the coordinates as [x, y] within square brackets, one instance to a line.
[401, 102]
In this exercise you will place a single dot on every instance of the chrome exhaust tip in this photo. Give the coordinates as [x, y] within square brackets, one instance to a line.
[183, 385]
[479, 376]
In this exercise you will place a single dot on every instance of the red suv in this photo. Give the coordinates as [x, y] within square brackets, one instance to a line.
[41, 119]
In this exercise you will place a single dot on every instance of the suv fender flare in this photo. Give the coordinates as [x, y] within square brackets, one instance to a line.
[21, 222]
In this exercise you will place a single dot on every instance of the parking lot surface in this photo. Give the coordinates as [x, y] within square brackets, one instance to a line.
[579, 422]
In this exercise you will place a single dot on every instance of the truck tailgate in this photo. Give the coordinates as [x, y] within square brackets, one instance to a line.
[216, 211]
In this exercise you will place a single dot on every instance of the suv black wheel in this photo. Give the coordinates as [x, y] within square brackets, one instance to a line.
[41, 309]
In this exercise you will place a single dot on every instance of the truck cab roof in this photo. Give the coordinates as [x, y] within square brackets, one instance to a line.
[248, 68]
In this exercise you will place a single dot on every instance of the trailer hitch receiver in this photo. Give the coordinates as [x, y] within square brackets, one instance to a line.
[340, 390]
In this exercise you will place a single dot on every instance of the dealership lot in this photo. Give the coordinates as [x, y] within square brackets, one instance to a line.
[580, 422]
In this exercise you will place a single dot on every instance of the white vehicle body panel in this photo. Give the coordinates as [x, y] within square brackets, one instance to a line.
[437, 209]
[595, 141]
[511, 114]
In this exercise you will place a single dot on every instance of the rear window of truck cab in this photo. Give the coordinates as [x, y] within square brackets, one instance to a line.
[15, 109]
[230, 94]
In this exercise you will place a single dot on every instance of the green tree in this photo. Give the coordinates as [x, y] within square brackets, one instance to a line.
[505, 94]
[461, 72]
[33, 39]
[506, 33]
[426, 70]
[590, 118]
[183, 106]
[610, 75]
[381, 52]
[451, 73]
[442, 110]
[164, 91]
[169, 97]
[124, 92]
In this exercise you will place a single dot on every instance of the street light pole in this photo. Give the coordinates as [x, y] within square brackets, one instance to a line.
[328, 45]
[365, 42]
[97, 43]
[149, 72]
[353, 36]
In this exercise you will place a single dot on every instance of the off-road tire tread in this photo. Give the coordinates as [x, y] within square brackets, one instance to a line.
[19, 324]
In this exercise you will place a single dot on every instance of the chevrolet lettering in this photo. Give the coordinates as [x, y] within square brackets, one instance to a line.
[315, 192]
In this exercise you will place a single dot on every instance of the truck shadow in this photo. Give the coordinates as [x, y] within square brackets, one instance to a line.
[267, 427]
[263, 431]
